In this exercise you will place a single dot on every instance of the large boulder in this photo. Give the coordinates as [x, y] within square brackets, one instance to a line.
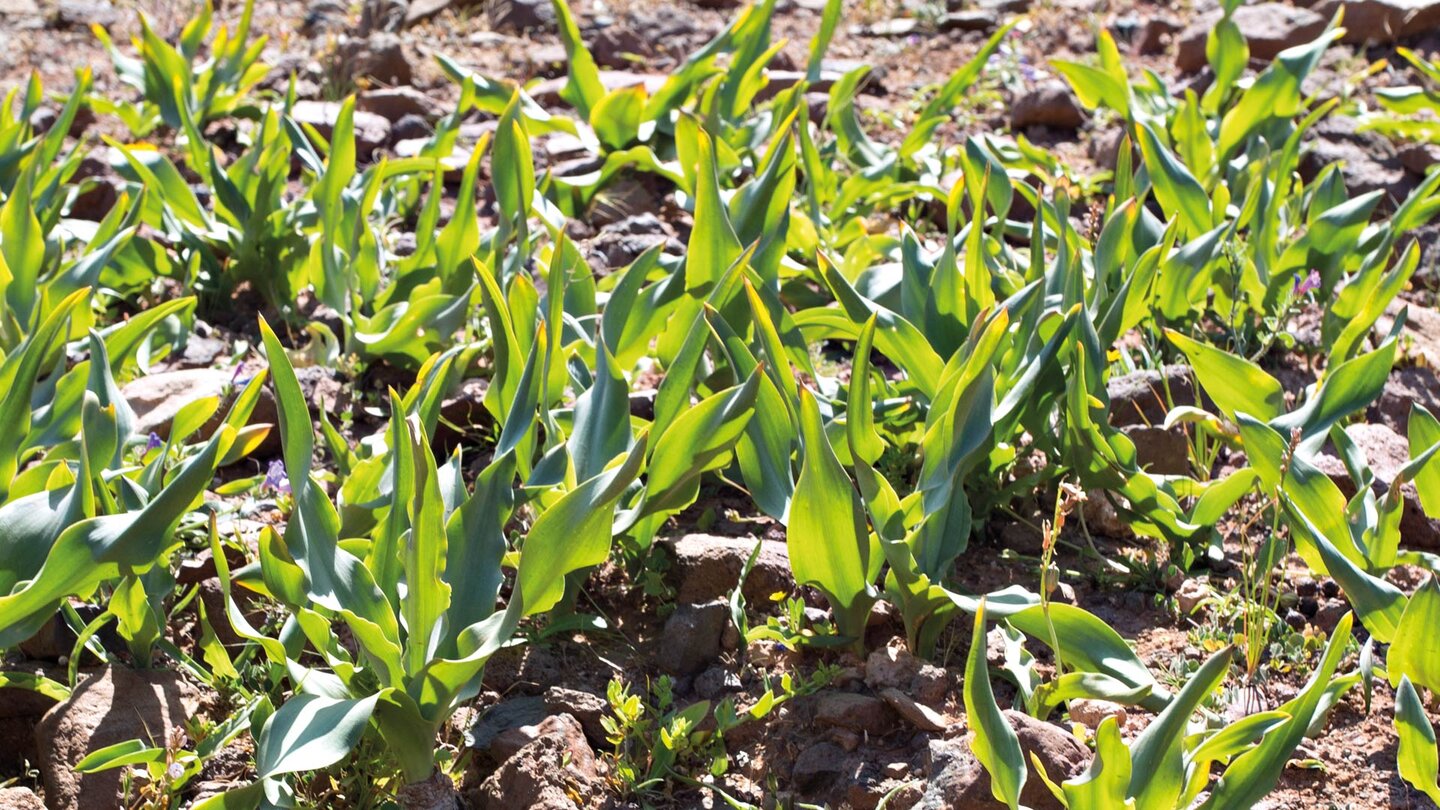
[112, 706]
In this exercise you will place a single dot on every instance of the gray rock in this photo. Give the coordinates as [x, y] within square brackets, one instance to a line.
[525, 710]
[1406, 387]
[371, 131]
[1050, 104]
[957, 781]
[862, 713]
[112, 706]
[708, 567]
[973, 20]
[19, 798]
[691, 637]
[1368, 21]
[1091, 712]
[157, 398]
[913, 712]
[888, 29]
[394, 103]
[1156, 34]
[519, 16]
[545, 772]
[1268, 28]
[1145, 397]
[1160, 451]
[379, 56]
[1385, 452]
[818, 765]
[586, 707]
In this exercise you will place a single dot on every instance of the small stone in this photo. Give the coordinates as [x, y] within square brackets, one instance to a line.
[891, 666]
[897, 770]
[1090, 712]
[371, 131]
[1296, 620]
[1192, 592]
[380, 56]
[1308, 606]
[520, 16]
[586, 707]
[1330, 588]
[1155, 34]
[888, 29]
[860, 713]
[1051, 104]
[708, 567]
[916, 714]
[957, 781]
[716, 681]
[848, 739]
[817, 765]
[1145, 397]
[691, 637]
[394, 103]
[19, 798]
[520, 711]
[1160, 451]
[1328, 617]
[546, 772]
[973, 20]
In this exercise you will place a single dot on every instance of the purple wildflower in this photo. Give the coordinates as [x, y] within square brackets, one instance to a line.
[1307, 284]
[275, 478]
[153, 443]
[237, 379]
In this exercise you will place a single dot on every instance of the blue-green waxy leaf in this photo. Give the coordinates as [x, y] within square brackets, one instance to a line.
[1236, 384]
[1415, 650]
[1179, 193]
[1089, 644]
[1104, 783]
[101, 548]
[1424, 433]
[827, 537]
[994, 743]
[602, 419]
[309, 733]
[572, 534]
[1159, 768]
[1416, 758]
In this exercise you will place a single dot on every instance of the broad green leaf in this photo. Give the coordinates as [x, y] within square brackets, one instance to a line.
[1157, 754]
[994, 742]
[1179, 193]
[1415, 649]
[1236, 384]
[1416, 757]
[572, 534]
[309, 733]
[829, 543]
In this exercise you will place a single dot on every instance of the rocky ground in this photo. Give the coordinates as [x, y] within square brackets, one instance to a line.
[885, 727]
